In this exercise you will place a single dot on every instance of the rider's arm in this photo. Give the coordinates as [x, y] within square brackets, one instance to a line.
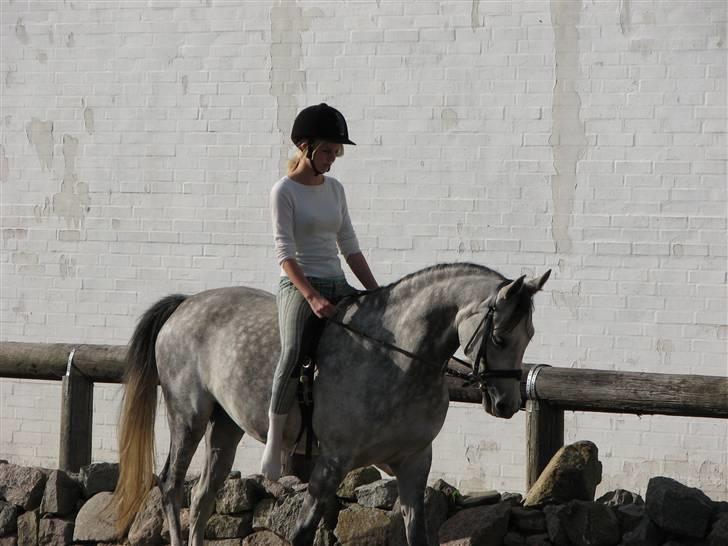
[319, 305]
[359, 266]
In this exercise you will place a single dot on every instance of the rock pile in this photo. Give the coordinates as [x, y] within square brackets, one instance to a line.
[50, 507]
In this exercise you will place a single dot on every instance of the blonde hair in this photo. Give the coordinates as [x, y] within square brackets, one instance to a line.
[302, 150]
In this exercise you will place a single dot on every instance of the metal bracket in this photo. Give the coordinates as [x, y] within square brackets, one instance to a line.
[531, 381]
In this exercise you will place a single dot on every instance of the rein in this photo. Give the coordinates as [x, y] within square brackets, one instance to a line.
[475, 376]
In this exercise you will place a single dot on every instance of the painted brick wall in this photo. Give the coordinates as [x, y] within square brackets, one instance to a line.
[140, 140]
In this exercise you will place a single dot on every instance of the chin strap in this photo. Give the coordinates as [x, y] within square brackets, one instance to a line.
[309, 155]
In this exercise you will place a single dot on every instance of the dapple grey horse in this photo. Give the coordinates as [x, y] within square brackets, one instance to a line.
[214, 354]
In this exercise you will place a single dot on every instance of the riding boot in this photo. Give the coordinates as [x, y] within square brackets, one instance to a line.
[270, 463]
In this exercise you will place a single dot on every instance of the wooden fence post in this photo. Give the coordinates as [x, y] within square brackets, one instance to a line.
[545, 436]
[76, 419]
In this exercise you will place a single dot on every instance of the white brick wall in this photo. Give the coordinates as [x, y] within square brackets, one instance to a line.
[140, 140]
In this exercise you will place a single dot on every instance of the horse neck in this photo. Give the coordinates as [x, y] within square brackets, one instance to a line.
[422, 311]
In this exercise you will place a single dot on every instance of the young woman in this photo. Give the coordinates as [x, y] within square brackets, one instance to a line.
[311, 225]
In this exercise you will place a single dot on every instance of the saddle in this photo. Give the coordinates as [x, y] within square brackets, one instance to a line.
[303, 373]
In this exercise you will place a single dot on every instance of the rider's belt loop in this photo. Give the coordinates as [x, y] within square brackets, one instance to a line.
[531, 381]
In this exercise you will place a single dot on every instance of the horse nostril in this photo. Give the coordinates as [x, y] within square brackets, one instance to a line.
[500, 407]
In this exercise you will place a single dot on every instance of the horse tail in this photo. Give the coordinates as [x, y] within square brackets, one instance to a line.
[139, 405]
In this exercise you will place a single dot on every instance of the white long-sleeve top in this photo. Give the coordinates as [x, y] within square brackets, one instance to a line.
[309, 223]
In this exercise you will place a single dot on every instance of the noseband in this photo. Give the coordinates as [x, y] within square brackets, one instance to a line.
[481, 377]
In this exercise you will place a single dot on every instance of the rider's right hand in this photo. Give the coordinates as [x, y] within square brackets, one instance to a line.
[321, 307]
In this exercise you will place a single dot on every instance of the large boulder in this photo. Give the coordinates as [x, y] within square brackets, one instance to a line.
[360, 526]
[479, 526]
[21, 485]
[718, 535]
[61, 494]
[222, 526]
[55, 532]
[646, 533]
[620, 497]
[264, 538]
[677, 508]
[379, 494]
[28, 528]
[146, 529]
[357, 478]
[582, 523]
[8, 518]
[96, 521]
[237, 495]
[98, 477]
[573, 473]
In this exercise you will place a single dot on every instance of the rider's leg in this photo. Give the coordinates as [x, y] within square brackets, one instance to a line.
[293, 313]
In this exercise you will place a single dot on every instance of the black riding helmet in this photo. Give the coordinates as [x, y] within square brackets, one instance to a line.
[320, 122]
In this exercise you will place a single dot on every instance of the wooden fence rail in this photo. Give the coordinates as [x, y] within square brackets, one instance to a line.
[547, 392]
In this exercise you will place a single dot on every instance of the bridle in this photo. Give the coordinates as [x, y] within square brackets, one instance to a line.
[476, 376]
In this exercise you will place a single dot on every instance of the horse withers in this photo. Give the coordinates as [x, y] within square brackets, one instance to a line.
[380, 393]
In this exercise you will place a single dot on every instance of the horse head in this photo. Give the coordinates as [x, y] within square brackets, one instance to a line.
[494, 335]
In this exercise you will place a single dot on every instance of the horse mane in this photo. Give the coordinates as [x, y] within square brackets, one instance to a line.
[444, 268]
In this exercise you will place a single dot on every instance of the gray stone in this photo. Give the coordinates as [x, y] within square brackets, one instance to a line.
[542, 539]
[146, 529]
[528, 520]
[450, 491]
[28, 528]
[8, 518]
[514, 499]
[514, 538]
[555, 524]
[262, 512]
[620, 497]
[380, 494]
[676, 508]
[55, 532]
[96, 521]
[478, 499]
[283, 515]
[718, 535]
[224, 542]
[646, 533]
[630, 516]
[268, 488]
[479, 526]
[359, 526]
[98, 477]
[265, 538]
[573, 473]
[10, 540]
[222, 526]
[237, 495]
[291, 481]
[21, 485]
[357, 478]
[584, 524]
[61, 494]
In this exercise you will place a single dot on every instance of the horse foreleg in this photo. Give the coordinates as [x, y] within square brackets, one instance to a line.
[411, 481]
[221, 439]
[325, 478]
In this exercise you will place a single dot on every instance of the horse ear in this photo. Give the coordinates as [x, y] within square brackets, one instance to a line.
[510, 289]
[534, 285]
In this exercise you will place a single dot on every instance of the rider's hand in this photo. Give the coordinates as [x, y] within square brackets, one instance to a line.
[321, 307]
